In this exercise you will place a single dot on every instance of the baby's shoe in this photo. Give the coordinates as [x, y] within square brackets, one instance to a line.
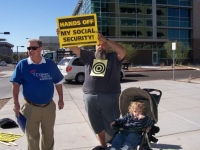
[112, 148]
[125, 147]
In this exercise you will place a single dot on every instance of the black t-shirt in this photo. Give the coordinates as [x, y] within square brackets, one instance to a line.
[110, 83]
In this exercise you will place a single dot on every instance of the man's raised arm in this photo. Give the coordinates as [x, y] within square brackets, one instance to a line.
[121, 52]
[76, 50]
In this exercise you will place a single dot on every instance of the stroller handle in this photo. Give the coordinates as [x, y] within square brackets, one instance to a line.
[152, 90]
[155, 96]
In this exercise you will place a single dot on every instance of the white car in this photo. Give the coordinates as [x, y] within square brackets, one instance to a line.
[73, 69]
[3, 63]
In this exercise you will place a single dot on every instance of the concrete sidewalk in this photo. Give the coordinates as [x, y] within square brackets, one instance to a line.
[179, 118]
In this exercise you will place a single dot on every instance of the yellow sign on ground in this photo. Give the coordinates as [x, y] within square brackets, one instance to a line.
[78, 30]
[9, 137]
[99, 68]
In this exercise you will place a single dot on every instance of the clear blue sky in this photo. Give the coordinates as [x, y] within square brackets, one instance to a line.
[31, 18]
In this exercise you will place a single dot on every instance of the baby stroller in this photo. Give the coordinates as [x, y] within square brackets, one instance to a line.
[151, 98]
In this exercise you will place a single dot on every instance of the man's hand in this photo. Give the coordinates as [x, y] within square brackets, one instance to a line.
[16, 108]
[147, 130]
[57, 31]
[15, 92]
[101, 37]
[60, 104]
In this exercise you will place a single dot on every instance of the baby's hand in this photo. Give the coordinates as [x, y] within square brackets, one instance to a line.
[112, 123]
[147, 130]
[140, 117]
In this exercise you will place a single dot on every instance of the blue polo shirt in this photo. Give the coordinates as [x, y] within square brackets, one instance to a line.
[37, 80]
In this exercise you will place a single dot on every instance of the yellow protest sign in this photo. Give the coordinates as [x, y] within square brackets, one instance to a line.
[99, 67]
[78, 30]
[9, 137]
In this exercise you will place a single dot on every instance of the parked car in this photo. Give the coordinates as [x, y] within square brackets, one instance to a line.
[3, 63]
[73, 69]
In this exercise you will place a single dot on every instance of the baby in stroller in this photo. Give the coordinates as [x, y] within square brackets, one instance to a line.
[134, 118]
[142, 99]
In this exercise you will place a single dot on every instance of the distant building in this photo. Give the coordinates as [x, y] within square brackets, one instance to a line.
[6, 48]
[147, 24]
[50, 42]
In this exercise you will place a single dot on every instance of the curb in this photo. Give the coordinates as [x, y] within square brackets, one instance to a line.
[194, 68]
[1, 98]
[150, 70]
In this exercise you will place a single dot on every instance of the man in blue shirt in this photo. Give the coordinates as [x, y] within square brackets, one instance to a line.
[37, 76]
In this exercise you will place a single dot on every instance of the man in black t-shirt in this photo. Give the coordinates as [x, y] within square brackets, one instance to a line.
[101, 92]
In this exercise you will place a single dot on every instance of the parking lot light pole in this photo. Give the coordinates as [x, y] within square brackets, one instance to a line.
[173, 48]
[17, 52]
[4, 32]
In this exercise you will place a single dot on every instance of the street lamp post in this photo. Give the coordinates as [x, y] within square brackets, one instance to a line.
[4, 32]
[27, 40]
[173, 49]
[17, 52]
[2, 39]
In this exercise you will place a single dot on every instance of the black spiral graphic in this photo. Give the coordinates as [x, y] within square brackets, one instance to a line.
[99, 68]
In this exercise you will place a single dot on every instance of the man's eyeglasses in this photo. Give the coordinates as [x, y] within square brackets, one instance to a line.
[33, 48]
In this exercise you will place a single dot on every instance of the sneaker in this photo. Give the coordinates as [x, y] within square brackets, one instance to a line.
[125, 147]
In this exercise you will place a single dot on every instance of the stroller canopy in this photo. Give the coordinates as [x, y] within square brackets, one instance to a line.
[138, 95]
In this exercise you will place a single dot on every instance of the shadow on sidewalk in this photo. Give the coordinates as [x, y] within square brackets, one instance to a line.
[127, 80]
[135, 75]
[165, 146]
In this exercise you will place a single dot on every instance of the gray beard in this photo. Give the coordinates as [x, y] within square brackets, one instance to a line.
[100, 54]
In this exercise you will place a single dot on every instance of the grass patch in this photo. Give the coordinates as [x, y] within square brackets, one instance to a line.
[2, 75]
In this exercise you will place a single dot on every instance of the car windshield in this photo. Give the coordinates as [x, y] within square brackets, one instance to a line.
[64, 62]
